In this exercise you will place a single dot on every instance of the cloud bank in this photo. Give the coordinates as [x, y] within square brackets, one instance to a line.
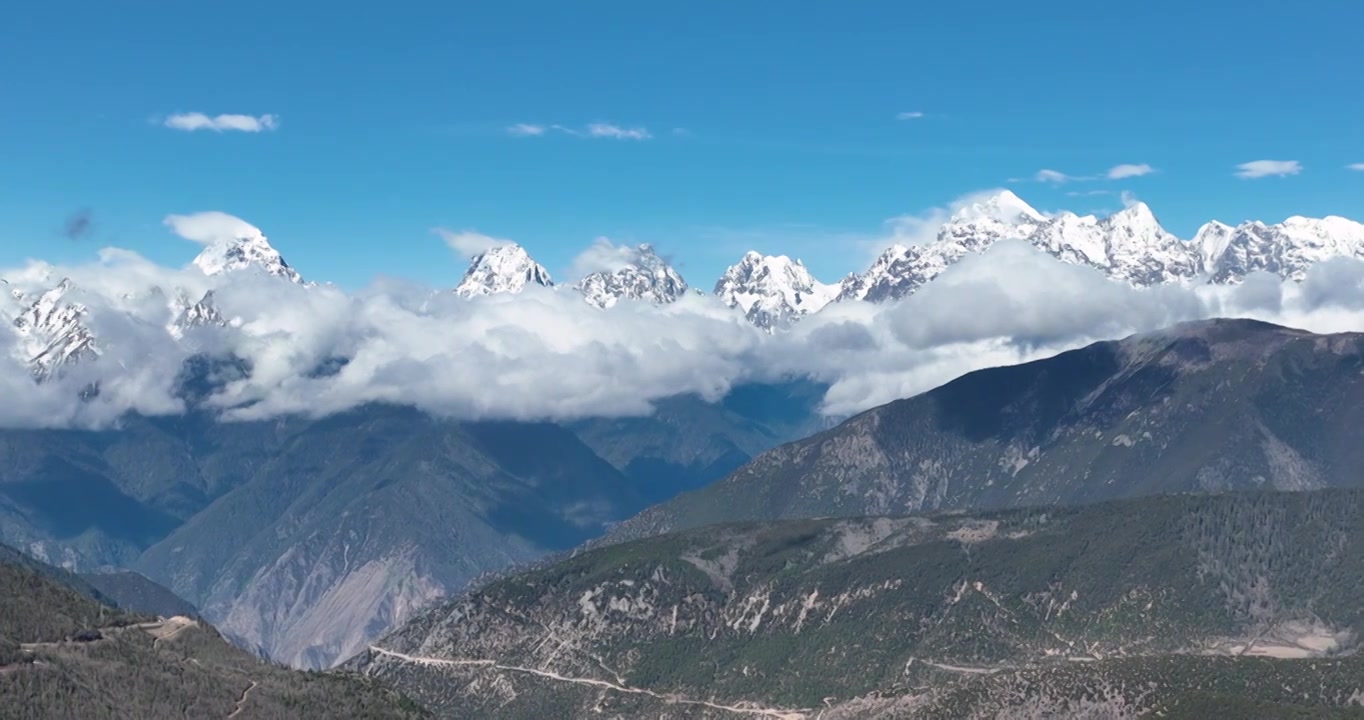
[545, 354]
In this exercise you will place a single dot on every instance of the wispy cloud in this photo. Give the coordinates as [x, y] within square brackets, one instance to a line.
[1129, 170]
[190, 122]
[1053, 176]
[597, 130]
[1355, 166]
[468, 243]
[1088, 193]
[1268, 168]
[616, 132]
[526, 130]
[911, 115]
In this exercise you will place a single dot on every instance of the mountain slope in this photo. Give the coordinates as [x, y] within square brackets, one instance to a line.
[138, 593]
[65, 654]
[688, 443]
[1209, 406]
[358, 519]
[835, 613]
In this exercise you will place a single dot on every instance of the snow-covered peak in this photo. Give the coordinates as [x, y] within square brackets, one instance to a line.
[1003, 207]
[502, 269]
[644, 276]
[52, 330]
[1141, 252]
[189, 314]
[772, 290]
[977, 225]
[1138, 214]
[1287, 249]
[249, 249]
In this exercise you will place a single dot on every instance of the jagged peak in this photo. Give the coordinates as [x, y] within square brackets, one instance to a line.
[1137, 211]
[1003, 206]
[640, 274]
[248, 248]
[504, 268]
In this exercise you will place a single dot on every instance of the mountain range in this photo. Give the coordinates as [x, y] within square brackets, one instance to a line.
[771, 291]
[1129, 246]
[302, 539]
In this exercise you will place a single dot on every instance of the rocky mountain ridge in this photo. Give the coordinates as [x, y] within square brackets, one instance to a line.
[1206, 407]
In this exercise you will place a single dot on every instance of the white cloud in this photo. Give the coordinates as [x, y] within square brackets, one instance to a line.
[209, 227]
[912, 115]
[1120, 172]
[1355, 166]
[526, 130]
[468, 243]
[616, 132]
[1088, 193]
[221, 123]
[1268, 168]
[1129, 198]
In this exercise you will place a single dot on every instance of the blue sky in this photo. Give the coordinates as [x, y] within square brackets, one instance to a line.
[772, 126]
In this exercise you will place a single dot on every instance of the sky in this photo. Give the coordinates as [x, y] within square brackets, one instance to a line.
[349, 133]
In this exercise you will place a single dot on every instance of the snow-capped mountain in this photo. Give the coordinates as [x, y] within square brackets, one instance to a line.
[1286, 249]
[250, 250]
[52, 330]
[1130, 246]
[502, 269]
[646, 276]
[973, 228]
[773, 290]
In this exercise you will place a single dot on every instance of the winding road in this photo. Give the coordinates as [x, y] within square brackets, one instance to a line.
[745, 709]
